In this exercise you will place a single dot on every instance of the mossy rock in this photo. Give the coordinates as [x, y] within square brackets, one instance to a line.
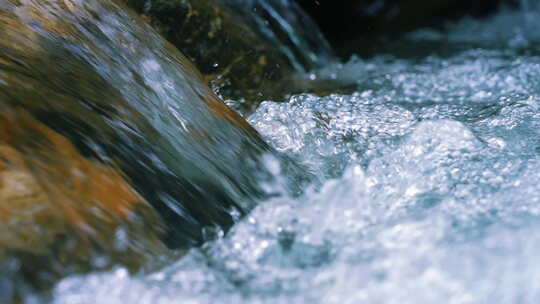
[236, 60]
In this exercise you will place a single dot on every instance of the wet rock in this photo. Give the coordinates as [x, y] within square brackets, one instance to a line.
[243, 51]
[235, 59]
[111, 146]
[61, 213]
[40, 167]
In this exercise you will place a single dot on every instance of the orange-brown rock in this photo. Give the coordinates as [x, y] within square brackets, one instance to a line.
[44, 181]
[111, 146]
[60, 208]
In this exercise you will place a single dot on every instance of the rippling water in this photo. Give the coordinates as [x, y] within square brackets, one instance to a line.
[428, 191]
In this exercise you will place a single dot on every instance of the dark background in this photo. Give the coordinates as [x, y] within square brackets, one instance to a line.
[352, 26]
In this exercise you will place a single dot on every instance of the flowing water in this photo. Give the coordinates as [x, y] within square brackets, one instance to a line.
[428, 190]
[283, 22]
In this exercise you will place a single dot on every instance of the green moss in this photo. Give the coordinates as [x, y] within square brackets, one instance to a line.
[236, 61]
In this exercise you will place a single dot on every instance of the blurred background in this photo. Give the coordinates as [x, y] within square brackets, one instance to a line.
[365, 27]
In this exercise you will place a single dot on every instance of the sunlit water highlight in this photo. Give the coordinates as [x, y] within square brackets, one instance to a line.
[429, 190]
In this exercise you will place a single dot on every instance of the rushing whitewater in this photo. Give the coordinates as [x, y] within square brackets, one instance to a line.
[428, 190]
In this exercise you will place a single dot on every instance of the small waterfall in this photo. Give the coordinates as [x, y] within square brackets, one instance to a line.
[85, 85]
[288, 26]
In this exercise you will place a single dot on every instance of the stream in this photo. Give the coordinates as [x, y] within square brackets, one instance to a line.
[428, 187]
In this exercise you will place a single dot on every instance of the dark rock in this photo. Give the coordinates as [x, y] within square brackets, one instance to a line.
[240, 47]
[232, 56]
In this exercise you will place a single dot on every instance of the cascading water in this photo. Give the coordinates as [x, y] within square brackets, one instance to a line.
[284, 23]
[110, 146]
[428, 193]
